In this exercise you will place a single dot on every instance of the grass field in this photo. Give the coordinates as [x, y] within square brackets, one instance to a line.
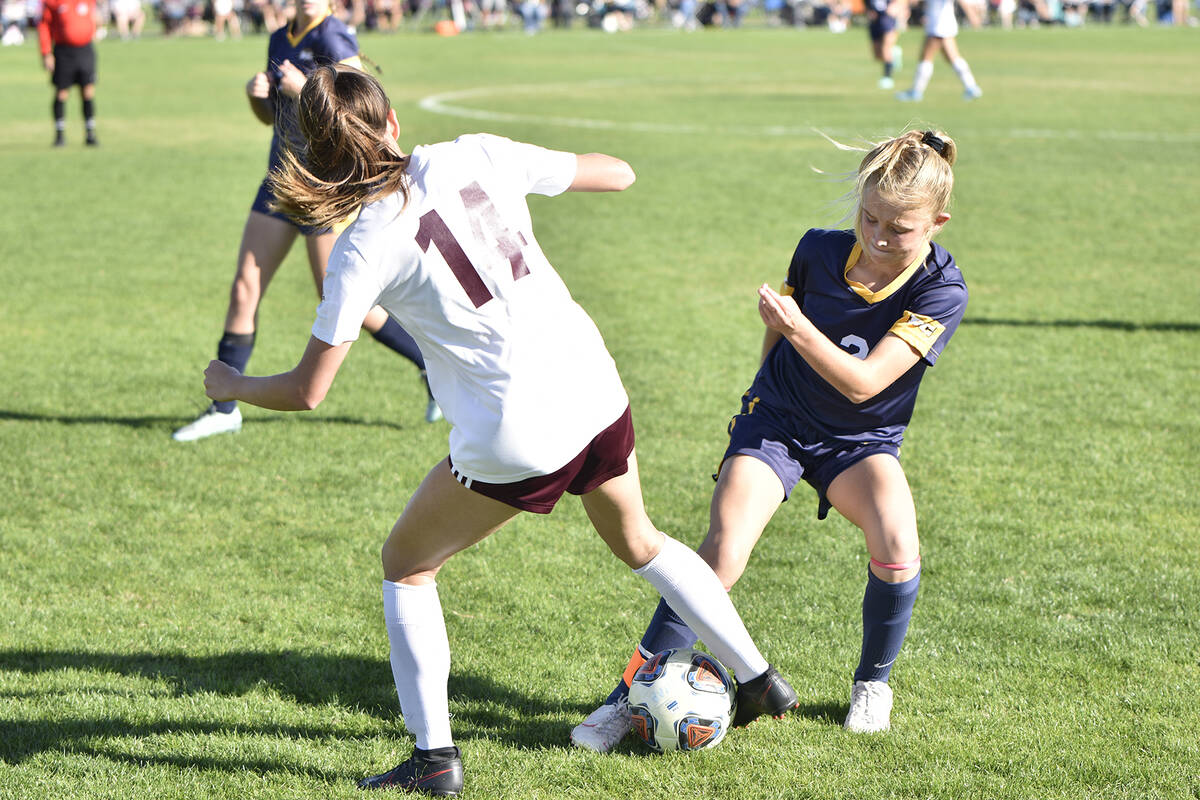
[203, 621]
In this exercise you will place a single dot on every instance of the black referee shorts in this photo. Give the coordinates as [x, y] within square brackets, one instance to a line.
[74, 66]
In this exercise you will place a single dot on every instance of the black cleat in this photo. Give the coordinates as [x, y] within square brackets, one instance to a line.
[92, 141]
[769, 694]
[60, 140]
[436, 772]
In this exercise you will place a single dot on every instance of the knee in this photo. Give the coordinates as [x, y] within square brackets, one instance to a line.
[399, 568]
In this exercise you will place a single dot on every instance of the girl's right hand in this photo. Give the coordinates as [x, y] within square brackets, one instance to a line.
[259, 86]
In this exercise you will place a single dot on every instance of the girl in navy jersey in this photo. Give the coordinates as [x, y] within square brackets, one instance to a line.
[315, 36]
[445, 243]
[861, 315]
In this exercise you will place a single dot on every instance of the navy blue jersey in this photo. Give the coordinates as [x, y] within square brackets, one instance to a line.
[326, 41]
[922, 306]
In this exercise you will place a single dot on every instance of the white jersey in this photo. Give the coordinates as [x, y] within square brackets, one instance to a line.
[518, 367]
[940, 20]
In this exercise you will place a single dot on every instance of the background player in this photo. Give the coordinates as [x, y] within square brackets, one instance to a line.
[65, 35]
[941, 30]
[884, 20]
[315, 36]
[861, 316]
[445, 243]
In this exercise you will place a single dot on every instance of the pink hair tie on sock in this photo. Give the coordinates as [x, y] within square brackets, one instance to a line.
[916, 562]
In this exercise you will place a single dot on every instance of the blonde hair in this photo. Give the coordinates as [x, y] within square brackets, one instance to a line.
[912, 170]
[348, 159]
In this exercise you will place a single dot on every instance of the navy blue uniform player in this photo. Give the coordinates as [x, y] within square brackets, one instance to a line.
[862, 315]
[884, 19]
[314, 37]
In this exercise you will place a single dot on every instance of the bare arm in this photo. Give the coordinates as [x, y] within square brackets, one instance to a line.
[301, 389]
[858, 379]
[258, 90]
[596, 172]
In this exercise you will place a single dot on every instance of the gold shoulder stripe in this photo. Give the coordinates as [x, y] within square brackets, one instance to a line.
[918, 330]
[786, 290]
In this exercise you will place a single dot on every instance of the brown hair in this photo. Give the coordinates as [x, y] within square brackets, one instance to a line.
[348, 159]
[912, 170]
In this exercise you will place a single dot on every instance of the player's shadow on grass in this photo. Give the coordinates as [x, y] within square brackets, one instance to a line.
[483, 708]
[1104, 324]
[828, 713]
[168, 424]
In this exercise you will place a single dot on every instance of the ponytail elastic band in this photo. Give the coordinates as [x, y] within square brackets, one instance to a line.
[934, 141]
[916, 562]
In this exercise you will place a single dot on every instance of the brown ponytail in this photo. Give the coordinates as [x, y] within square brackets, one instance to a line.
[348, 160]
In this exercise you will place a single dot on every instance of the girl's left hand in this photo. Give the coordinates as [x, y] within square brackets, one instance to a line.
[779, 313]
[219, 379]
[291, 79]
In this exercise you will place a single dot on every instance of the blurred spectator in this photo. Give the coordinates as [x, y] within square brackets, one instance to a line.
[225, 20]
[129, 18]
[974, 11]
[533, 15]
[12, 21]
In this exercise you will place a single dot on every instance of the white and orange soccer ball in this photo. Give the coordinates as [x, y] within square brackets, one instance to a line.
[681, 699]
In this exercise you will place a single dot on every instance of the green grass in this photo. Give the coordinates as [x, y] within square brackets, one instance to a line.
[203, 621]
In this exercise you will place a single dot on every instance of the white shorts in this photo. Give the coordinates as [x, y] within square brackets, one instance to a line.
[940, 20]
[222, 7]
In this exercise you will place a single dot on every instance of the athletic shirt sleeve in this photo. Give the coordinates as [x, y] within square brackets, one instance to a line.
[935, 309]
[527, 167]
[350, 290]
[337, 42]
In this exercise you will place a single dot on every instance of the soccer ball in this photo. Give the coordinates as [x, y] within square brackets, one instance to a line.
[681, 699]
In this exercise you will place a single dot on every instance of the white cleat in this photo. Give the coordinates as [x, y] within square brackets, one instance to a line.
[886, 83]
[870, 707]
[909, 96]
[604, 727]
[210, 423]
[974, 93]
[433, 411]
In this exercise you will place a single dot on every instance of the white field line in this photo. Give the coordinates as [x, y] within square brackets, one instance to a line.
[452, 104]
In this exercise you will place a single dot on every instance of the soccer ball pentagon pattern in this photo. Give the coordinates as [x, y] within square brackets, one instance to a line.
[681, 699]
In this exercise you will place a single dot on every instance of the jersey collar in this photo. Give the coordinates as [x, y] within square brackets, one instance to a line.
[295, 40]
[887, 291]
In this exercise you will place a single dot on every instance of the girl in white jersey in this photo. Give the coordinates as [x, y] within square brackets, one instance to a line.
[444, 243]
[941, 32]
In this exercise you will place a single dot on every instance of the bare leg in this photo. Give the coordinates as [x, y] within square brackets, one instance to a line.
[265, 243]
[682, 578]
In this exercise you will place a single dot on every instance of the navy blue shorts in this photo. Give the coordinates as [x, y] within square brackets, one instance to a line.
[794, 451]
[884, 23]
[604, 458]
[262, 202]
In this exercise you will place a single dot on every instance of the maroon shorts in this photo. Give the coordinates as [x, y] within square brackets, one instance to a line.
[604, 458]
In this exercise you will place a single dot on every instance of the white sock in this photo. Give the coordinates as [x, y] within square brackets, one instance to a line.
[695, 593]
[921, 77]
[964, 73]
[420, 660]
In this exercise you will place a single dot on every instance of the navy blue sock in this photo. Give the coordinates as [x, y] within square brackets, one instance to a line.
[887, 608]
[393, 336]
[887, 69]
[234, 349]
[666, 630]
